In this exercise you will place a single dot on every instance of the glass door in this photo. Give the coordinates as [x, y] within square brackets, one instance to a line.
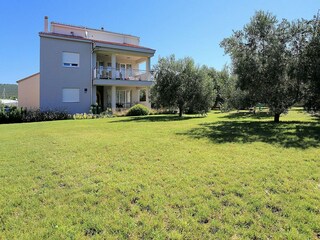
[121, 98]
[122, 71]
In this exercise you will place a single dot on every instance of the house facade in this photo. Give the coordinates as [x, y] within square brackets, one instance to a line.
[81, 66]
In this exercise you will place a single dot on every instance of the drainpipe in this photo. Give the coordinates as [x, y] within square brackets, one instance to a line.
[91, 74]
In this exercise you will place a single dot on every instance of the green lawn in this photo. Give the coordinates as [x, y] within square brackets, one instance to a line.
[224, 176]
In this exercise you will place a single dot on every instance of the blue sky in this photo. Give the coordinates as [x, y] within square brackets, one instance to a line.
[181, 27]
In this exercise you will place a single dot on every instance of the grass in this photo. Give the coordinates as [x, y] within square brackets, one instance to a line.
[226, 176]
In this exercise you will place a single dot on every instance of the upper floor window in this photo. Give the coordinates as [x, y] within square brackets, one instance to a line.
[70, 59]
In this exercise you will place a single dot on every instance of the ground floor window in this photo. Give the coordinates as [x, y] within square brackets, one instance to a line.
[70, 95]
[123, 98]
[143, 95]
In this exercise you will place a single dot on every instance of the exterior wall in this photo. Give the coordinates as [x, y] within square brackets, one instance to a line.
[54, 76]
[29, 92]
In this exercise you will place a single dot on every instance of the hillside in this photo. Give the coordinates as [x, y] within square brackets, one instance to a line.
[9, 90]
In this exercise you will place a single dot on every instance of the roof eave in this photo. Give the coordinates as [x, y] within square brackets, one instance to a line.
[102, 46]
[38, 73]
[48, 35]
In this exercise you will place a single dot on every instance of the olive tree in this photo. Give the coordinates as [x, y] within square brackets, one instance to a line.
[183, 85]
[261, 56]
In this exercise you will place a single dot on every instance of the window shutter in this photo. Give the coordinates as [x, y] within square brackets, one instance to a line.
[71, 59]
[71, 95]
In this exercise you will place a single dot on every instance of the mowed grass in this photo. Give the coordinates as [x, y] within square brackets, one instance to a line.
[226, 176]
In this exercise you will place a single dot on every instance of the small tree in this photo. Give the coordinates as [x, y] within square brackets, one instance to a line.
[180, 84]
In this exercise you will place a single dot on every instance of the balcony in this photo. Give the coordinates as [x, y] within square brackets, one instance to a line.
[124, 74]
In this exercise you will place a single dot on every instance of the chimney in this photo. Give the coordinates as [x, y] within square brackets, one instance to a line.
[46, 24]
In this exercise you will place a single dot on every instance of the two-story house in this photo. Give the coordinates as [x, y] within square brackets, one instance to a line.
[80, 66]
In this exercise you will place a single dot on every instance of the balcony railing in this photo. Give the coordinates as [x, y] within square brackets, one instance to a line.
[122, 74]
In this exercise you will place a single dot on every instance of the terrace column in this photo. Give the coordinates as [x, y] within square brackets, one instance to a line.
[148, 68]
[147, 98]
[113, 98]
[94, 95]
[94, 65]
[113, 65]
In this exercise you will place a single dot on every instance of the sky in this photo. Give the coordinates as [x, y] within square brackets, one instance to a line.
[192, 28]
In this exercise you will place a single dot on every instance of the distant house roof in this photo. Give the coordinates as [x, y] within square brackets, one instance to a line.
[28, 77]
[9, 102]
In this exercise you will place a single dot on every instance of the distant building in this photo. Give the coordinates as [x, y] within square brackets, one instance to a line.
[80, 66]
[9, 102]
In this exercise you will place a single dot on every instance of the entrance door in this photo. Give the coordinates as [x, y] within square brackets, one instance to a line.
[100, 95]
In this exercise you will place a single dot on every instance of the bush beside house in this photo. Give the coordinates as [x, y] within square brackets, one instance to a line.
[18, 115]
[138, 110]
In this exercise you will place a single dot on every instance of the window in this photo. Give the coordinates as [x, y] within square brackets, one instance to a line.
[70, 95]
[70, 59]
[121, 96]
[143, 95]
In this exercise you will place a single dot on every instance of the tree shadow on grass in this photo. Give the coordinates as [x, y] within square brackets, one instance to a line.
[296, 134]
[243, 115]
[154, 118]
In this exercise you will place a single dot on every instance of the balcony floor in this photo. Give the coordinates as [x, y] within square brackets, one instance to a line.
[127, 83]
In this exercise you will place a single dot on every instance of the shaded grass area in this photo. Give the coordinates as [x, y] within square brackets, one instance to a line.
[290, 134]
[159, 177]
[155, 118]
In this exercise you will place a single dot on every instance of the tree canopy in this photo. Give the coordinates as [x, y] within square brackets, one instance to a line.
[261, 54]
[309, 64]
[183, 85]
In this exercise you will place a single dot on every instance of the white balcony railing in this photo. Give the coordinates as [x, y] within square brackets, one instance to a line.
[122, 74]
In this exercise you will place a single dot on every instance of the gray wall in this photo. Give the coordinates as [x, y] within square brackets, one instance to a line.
[54, 77]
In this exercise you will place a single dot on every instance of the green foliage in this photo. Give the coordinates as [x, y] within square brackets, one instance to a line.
[11, 91]
[10, 114]
[226, 176]
[95, 109]
[138, 110]
[49, 115]
[229, 96]
[105, 114]
[262, 54]
[17, 115]
[308, 63]
[180, 84]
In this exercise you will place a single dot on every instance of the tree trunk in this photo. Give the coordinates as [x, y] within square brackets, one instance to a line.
[276, 117]
[180, 111]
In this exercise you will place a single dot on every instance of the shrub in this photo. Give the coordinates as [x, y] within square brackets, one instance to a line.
[17, 115]
[95, 109]
[105, 114]
[138, 110]
[39, 116]
[10, 114]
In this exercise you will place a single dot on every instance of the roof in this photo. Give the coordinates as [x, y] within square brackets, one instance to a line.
[65, 36]
[8, 101]
[28, 77]
[94, 41]
[95, 29]
[123, 44]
